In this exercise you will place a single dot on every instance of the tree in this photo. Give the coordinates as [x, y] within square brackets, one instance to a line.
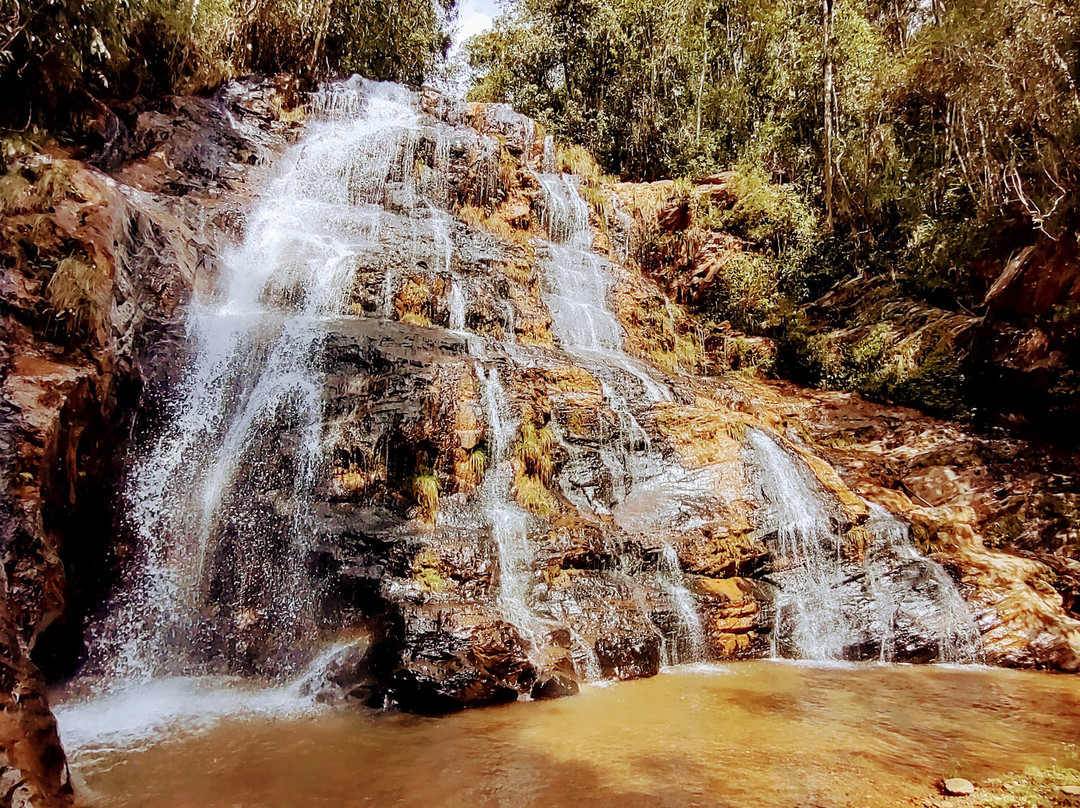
[829, 105]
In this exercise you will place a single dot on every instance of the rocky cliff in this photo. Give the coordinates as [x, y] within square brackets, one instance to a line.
[537, 468]
[988, 503]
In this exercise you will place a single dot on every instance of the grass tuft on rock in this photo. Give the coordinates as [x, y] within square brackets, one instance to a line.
[534, 467]
[531, 493]
[534, 450]
[15, 193]
[78, 291]
[478, 461]
[425, 489]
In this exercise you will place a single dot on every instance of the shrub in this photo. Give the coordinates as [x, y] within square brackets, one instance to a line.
[746, 289]
[427, 571]
[774, 216]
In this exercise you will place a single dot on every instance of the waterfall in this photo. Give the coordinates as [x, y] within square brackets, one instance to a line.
[579, 285]
[889, 604]
[580, 282]
[221, 502]
[358, 223]
[689, 644]
[457, 304]
[548, 157]
[508, 523]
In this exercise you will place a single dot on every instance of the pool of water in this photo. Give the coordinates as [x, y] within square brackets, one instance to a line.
[741, 734]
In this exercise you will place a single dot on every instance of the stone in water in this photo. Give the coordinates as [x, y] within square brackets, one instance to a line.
[959, 787]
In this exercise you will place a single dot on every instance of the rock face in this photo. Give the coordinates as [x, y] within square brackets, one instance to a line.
[1025, 350]
[998, 511]
[536, 469]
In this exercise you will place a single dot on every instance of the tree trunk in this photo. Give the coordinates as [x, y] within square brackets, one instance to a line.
[701, 83]
[829, 109]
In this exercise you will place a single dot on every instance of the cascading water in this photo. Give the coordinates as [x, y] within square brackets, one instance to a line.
[227, 502]
[578, 287]
[508, 522]
[889, 604]
[221, 503]
[579, 283]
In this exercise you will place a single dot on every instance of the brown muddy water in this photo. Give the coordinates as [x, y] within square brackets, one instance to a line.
[741, 734]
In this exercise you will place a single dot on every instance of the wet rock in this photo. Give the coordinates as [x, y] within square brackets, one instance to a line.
[628, 654]
[74, 370]
[958, 787]
[32, 762]
[1017, 610]
[515, 130]
[554, 686]
[733, 616]
[718, 554]
[348, 673]
[452, 658]
[720, 590]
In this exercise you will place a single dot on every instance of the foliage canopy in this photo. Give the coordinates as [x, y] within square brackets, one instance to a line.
[953, 120]
[60, 59]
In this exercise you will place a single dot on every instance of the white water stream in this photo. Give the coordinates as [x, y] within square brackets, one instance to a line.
[578, 295]
[830, 607]
[219, 504]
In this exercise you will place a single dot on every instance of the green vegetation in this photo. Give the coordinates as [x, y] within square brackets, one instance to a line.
[64, 253]
[533, 467]
[414, 302]
[80, 293]
[534, 450]
[478, 460]
[427, 568]
[667, 336]
[425, 489]
[469, 468]
[937, 110]
[736, 430]
[904, 148]
[60, 60]
[751, 356]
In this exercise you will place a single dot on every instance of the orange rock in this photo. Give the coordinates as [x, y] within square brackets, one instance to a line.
[723, 590]
[734, 625]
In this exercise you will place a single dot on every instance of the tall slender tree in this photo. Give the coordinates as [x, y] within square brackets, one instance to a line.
[828, 23]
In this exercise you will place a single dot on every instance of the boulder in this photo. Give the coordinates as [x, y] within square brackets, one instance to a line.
[554, 686]
[454, 656]
[628, 654]
[346, 673]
